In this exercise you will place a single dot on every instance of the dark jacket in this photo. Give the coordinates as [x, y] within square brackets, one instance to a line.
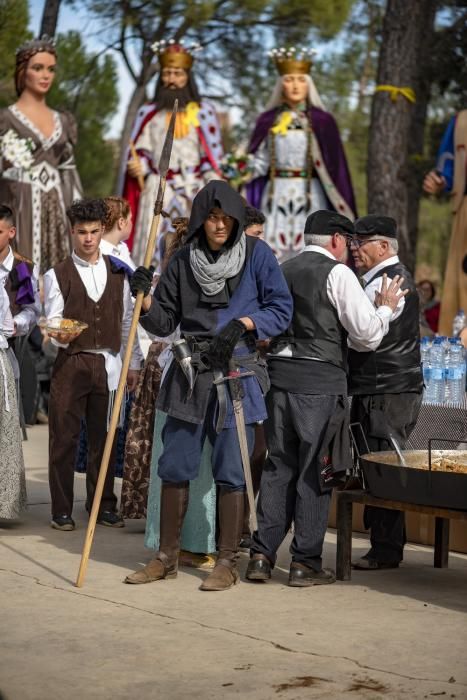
[395, 366]
[258, 291]
[315, 331]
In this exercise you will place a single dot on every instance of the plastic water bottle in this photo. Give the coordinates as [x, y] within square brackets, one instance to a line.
[459, 322]
[455, 373]
[447, 382]
[436, 386]
[425, 347]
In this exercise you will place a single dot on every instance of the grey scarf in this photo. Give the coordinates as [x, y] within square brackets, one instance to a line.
[211, 276]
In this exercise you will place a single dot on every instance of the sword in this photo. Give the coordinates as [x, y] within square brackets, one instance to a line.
[163, 169]
[234, 379]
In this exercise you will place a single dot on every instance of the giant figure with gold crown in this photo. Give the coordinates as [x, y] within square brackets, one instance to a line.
[299, 162]
[197, 148]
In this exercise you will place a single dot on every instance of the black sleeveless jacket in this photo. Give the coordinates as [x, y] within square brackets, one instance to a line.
[395, 366]
[315, 331]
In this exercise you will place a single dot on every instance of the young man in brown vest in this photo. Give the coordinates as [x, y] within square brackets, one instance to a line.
[19, 276]
[90, 287]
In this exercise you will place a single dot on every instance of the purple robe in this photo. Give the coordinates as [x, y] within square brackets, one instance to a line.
[327, 134]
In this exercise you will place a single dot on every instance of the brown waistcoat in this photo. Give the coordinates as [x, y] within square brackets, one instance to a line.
[104, 317]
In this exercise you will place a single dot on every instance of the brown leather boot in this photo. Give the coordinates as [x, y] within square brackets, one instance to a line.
[225, 574]
[174, 502]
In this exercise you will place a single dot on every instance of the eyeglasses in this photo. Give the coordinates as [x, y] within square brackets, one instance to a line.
[359, 242]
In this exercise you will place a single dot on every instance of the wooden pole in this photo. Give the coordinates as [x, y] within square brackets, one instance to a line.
[163, 168]
[136, 157]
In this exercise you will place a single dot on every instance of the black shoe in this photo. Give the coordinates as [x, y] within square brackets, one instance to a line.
[369, 564]
[245, 543]
[110, 519]
[259, 568]
[301, 575]
[62, 522]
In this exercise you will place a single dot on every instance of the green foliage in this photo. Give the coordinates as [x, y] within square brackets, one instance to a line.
[13, 32]
[86, 86]
[235, 35]
[324, 16]
[345, 78]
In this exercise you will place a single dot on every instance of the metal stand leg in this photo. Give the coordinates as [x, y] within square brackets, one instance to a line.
[441, 557]
[344, 537]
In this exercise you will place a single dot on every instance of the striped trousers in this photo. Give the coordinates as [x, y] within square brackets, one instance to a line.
[290, 484]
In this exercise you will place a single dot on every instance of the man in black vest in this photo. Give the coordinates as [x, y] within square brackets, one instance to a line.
[386, 384]
[307, 405]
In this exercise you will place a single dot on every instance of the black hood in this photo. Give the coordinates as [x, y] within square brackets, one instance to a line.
[216, 193]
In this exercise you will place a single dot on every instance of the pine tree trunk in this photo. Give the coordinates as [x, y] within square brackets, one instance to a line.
[50, 17]
[417, 165]
[393, 123]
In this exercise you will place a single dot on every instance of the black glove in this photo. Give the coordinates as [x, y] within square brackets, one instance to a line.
[222, 346]
[141, 280]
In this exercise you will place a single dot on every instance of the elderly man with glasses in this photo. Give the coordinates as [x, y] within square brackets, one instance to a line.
[386, 383]
[307, 406]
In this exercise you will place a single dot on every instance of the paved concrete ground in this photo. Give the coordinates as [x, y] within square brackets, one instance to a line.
[394, 634]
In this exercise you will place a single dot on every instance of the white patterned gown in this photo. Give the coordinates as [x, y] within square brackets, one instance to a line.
[12, 477]
[287, 209]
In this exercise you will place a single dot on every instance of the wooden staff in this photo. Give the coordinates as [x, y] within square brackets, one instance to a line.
[136, 157]
[163, 168]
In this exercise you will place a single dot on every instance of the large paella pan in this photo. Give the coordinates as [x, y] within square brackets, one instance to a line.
[427, 477]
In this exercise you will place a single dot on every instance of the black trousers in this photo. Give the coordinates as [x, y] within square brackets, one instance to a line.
[377, 414]
[290, 486]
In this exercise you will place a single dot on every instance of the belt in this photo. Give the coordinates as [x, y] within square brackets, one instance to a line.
[43, 175]
[200, 362]
[291, 173]
[200, 348]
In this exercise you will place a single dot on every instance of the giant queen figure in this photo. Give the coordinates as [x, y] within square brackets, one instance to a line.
[197, 148]
[299, 164]
[38, 175]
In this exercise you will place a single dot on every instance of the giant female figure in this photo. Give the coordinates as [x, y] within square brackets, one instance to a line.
[38, 176]
[299, 162]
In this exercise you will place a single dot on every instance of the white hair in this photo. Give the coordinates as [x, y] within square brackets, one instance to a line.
[277, 97]
[393, 243]
[317, 239]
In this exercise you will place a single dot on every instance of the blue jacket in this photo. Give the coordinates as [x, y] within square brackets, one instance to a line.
[259, 291]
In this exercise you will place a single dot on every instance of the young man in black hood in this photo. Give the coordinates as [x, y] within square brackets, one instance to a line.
[226, 290]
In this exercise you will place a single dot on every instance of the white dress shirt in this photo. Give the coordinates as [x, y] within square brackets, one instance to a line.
[118, 251]
[7, 328]
[365, 325]
[372, 287]
[29, 315]
[94, 278]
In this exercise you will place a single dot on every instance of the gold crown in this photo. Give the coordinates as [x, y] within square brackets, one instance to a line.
[175, 55]
[292, 60]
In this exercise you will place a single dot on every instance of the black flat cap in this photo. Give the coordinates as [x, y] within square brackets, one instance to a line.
[325, 223]
[376, 226]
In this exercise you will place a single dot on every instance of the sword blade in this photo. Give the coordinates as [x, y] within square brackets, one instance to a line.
[243, 442]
